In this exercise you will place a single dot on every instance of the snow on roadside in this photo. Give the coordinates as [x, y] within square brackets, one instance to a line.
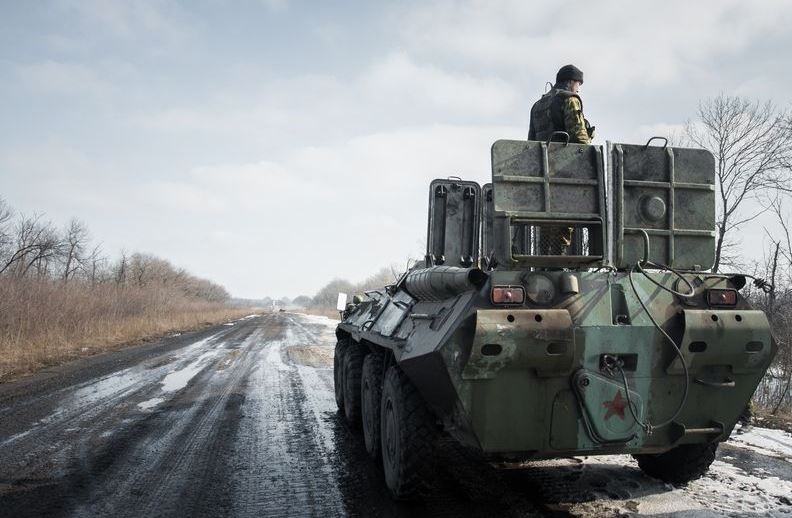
[320, 319]
[773, 443]
[725, 490]
[728, 489]
[327, 325]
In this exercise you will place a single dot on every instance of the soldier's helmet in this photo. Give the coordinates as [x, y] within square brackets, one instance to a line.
[569, 73]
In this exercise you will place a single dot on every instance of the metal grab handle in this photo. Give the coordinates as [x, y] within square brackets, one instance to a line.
[422, 316]
[665, 143]
[559, 133]
[728, 383]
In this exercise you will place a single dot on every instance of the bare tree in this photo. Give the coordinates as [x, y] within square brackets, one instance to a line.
[93, 264]
[779, 307]
[751, 144]
[35, 244]
[74, 243]
[6, 230]
[328, 294]
[121, 269]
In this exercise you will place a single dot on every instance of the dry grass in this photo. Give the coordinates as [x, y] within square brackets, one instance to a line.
[44, 323]
[780, 421]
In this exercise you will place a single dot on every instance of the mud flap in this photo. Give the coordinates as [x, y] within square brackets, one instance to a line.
[604, 406]
[536, 339]
[740, 339]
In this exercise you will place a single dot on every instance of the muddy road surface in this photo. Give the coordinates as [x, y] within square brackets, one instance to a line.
[240, 420]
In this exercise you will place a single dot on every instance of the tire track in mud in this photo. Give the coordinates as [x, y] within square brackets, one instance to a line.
[286, 470]
[115, 443]
[164, 471]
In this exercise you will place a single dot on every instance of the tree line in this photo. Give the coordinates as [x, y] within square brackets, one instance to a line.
[32, 247]
[62, 297]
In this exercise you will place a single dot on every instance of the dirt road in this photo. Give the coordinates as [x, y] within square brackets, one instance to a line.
[240, 420]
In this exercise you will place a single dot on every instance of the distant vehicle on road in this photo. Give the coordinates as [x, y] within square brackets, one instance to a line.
[545, 323]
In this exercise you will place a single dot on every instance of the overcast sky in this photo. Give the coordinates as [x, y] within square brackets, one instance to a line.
[273, 145]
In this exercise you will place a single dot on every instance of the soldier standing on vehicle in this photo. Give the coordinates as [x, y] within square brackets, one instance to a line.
[561, 109]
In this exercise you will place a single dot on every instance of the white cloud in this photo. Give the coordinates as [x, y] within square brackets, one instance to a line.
[673, 132]
[64, 78]
[275, 5]
[165, 21]
[398, 80]
[179, 196]
[329, 211]
[622, 44]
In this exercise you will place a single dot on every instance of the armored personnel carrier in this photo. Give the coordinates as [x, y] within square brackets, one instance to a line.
[564, 309]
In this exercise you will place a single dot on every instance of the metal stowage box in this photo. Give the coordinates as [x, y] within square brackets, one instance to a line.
[670, 194]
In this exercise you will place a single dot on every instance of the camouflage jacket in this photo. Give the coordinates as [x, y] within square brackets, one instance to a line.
[559, 110]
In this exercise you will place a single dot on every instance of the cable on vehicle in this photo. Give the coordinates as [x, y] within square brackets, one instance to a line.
[647, 425]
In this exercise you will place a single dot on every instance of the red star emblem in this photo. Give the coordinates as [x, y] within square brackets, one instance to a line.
[615, 407]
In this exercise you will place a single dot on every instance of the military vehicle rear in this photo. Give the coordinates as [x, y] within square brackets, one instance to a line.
[565, 308]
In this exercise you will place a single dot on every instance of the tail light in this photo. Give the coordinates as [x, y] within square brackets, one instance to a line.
[722, 297]
[508, 295]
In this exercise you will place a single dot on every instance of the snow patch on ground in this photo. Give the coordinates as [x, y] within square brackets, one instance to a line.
[327, 326]
[728, 489]
[273, 355]
[150, 403]
[725, 490]
[179, 379]
[320, 400]
[320, 319]
[773, 443]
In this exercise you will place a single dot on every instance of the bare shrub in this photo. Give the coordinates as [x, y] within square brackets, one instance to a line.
[60, 297]
[751, 145]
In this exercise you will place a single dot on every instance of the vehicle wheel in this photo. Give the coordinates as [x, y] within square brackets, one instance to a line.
[679, 465]
[338, 371]
[370, 399]
[407, 434]
[353, 369]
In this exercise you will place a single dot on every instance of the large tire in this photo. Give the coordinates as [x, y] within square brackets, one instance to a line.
[679, 465]
[408, 433]
[338, 371]
[353, 370]
[370, 402]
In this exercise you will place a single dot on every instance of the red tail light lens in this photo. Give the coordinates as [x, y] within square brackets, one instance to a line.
[508, 295]
[722, 297]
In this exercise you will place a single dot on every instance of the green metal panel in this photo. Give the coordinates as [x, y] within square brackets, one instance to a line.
[670, 194]
[548, 187]
[487, 209]
[738, 339]
[538, 339]
[553, 181]
[454, 223]
[605, 406]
